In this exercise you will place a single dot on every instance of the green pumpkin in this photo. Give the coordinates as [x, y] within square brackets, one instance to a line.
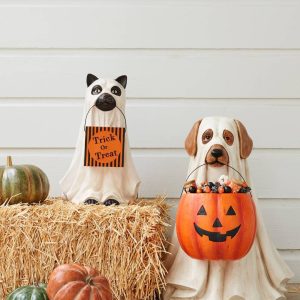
[22, 183]
[29, 292]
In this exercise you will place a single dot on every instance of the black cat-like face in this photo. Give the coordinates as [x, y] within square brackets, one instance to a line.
[106, 96]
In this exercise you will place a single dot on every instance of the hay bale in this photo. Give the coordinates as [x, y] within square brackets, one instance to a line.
[125, 243]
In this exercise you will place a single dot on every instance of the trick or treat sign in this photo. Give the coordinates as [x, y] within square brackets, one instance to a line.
[104, 146]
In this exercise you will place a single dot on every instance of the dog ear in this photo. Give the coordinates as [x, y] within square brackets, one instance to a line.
[122, 80]
[191, 140]
[90, 78]
[246, 143]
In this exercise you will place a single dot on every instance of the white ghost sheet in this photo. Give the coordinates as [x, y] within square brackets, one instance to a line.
[101, 183]
[260, 275]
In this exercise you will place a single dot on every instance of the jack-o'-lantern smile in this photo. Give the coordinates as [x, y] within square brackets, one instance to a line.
[215, 226]
[217, 236]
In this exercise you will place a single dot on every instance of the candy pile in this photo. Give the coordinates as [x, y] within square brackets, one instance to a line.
[223, 185]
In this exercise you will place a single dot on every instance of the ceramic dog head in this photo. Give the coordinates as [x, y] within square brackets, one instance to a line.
[218, 141]
[106, 94]
[218, 132]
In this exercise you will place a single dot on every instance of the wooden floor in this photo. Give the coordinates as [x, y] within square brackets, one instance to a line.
[294, 291]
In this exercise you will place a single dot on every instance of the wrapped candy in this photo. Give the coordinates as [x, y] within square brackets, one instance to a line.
[223, 185]
[223, 179]
[190, 186]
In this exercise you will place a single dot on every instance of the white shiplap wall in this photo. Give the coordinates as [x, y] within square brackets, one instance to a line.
[185, 59]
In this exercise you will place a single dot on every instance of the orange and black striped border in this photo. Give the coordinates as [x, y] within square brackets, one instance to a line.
[89, 133]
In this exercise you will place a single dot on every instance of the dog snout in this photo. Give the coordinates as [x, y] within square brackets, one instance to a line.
[105, 102]
[217, 153]
[217, 156]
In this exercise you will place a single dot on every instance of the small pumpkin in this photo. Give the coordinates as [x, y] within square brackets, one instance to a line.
[73, 281]
[29, 292]
[22, 183]
[216, 226]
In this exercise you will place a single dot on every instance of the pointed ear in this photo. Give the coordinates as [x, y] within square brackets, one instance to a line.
[90, 78]
[246, 143]
[122, 80]
[191, 140]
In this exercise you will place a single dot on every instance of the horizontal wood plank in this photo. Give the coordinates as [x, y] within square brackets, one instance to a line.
[274, 172]
[153, 74]
[165, 123]
[149, 24]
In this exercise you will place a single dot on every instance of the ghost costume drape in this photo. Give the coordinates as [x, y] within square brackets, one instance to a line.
[100, 183]
[260, 275]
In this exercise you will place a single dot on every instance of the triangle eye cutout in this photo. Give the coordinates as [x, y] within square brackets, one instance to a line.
[202, 211]
[230, 212]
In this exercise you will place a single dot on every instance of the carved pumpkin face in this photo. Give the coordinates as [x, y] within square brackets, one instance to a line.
[216, 226]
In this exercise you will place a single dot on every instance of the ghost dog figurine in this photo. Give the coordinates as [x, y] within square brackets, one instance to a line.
[261, 274]
[102, 170]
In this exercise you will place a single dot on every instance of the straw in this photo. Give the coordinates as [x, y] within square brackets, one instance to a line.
[125, 243]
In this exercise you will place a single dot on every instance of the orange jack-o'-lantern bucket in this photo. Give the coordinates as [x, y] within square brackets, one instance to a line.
[216, 226]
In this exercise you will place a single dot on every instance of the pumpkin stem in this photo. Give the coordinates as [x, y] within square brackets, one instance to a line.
[89, 280]
[9, 161]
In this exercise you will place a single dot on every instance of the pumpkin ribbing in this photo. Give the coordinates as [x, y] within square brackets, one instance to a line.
[22, 183]
[216, 226]
[72, 281]
[30, 292]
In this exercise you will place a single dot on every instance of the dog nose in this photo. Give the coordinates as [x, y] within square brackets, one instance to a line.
[216, 153]
[105, 102]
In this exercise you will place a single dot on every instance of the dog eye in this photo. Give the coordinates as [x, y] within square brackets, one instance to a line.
[116, 90]
[97, 89]
[228, 137]
[207, 136]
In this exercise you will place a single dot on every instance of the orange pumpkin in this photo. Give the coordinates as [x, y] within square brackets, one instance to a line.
[216, 226]
[68, 282]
